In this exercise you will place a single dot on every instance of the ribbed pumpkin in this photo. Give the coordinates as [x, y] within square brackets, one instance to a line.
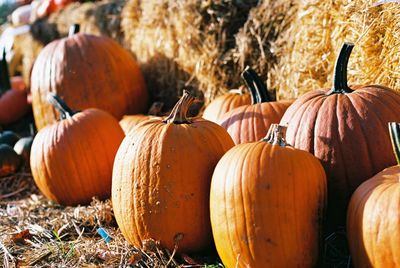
[71, 160]
[162, 176]
[222, 104]
[88, 71]
[267, 204]
[13, 102]
[250, 123]
[346, 130]
[373, 219]
[128, 122]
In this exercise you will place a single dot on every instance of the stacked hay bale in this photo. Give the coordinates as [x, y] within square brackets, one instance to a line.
[317, 33]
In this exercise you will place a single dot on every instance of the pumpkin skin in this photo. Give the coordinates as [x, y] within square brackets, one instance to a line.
[161, 180]
[373, 217]
[341, 128]
[225, 103]
[250, 123]
[9, 160]
[71, 160]
[83, 69]
[267, 203]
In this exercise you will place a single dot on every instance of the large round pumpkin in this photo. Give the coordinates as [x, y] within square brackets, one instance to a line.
[162, 176]
[267, 205]
[250, 123]
[222, 104]
[346, 129]
[373, 219]
[87, 71]
[71, 160]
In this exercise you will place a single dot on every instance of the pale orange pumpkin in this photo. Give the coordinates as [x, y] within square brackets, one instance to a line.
[373, 216]
[161, 179]
[267, 204]
[71, 160]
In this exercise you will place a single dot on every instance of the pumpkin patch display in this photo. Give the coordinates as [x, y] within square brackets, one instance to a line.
[226, 102]
[373, 223]
[88, 71]
[71, 160]
[267, 204]
[161, 179]
[250, 123]
[346, 129]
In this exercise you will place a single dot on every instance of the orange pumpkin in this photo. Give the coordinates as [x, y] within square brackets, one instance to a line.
[341, 126]
[373, 225]
[13, 102]
[71, 160]
[225, 103]
[88, 71]
[128, 122]
[161, 179]
[267, 204]
[250, 123]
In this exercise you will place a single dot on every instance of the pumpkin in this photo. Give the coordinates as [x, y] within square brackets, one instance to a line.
[267, 204]
[9, 160]
[373, 224]
[128, 122]
[250, 123]
[71, 160]
[9, 137]
[226, 102]
[88, 71]
[161, 180]
[13, 102]
[344, 128]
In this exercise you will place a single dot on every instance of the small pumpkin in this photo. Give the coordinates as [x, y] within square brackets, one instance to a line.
[161, 179]
[9, 137]
[13, 100]
[88, 71]
[373, 224]
[345, 129]
[71, 160]
[9, 160]
[267, 204]
[250, 123]
[128, 122]
[225, 103]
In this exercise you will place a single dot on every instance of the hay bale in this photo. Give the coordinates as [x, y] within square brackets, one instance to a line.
[317, 33]
[184, 43]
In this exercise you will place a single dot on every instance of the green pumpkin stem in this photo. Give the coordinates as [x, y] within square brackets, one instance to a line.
[257, 88]
[60, 105]
[5, 83]
[74, 29]
[276, 135]
[394, 132]
[340, 73]
[178, 113]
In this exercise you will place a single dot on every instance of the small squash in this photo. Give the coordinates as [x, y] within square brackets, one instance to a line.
[267, 204]
[161, 179]
[373, 225]
[346, 129]
[9, 160]
[250, 123]
[71, 160]
[88, 71]
[9, 137]
[225, 103]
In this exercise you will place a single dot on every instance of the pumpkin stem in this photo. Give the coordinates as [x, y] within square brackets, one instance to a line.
[60, 105]
[276, 135]
[340, 73]
[394, 132]
[178, 113]
[5, 83]
[74, 29]
[257, 88]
